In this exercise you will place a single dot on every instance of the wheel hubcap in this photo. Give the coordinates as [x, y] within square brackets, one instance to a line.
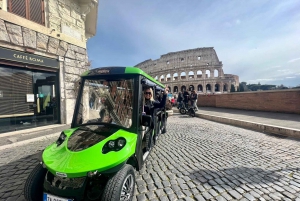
[127, 188]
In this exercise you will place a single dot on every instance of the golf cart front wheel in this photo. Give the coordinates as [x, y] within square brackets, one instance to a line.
[120, 187]
[33, 188]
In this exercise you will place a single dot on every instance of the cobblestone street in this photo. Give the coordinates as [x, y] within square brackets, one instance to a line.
[195, 160]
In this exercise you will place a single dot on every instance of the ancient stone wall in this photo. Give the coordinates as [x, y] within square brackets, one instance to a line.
[286, 101]
[196, 69]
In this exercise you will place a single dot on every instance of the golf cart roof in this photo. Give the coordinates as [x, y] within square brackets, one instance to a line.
[115, 70]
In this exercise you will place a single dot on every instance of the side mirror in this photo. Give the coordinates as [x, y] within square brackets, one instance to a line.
[146, 120]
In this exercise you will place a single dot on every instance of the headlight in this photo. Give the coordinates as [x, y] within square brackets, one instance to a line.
[61, 138]
[114, 145]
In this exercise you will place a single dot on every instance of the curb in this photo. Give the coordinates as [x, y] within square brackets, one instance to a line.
[13, 145]
[283, 131]
[31, 130]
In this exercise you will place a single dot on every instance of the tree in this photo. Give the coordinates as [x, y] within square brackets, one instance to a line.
[242, 87]
[232, 89]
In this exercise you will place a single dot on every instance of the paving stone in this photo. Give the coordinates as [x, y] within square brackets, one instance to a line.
[274, 196]
[141, 197]
[289, 195]
[179, 194]
[172, 197]
[199, 198]
[150, 195]
[226, 196]
[159, 192]
[168, 190]
[164, 198]
[249, 196]
[206, 195]
[142, 189]
[235, 194]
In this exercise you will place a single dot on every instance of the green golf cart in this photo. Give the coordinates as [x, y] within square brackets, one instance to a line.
[109, 138]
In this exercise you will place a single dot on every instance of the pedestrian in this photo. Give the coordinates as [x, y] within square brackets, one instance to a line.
[193, 99]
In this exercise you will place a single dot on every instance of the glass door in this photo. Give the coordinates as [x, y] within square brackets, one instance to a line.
[45, 91]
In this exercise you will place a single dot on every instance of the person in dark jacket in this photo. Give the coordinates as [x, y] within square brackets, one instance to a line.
[179, 100]
[150, 106]
[186, 96]
[151, 103]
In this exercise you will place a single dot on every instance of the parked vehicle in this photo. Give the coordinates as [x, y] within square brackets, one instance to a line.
[95, 159]
[186, 109]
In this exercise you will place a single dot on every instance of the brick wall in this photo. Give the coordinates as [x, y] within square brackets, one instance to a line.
[286, 101]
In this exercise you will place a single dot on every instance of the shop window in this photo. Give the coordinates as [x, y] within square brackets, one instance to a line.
[30, 9]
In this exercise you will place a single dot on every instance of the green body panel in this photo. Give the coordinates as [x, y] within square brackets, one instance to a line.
[79, 163]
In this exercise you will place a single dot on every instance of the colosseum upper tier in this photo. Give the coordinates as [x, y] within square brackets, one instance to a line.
[196, 69]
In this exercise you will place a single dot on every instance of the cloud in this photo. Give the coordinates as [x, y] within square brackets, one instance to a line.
[290, 77]
[293, 60]
[274, 67]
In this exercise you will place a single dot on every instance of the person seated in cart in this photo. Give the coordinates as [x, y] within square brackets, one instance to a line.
[150, 102]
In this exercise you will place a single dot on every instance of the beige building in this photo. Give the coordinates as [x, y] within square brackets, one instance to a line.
[197, 69]
[42, 53]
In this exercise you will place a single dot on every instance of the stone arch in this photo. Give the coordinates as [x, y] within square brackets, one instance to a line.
[162, 78]
[208, 88]
[168, 77]
[170, 89]
[199, 74]
[183, 88]
[175, 76]
[182, 75]
[191, 87]
[175, 89]
[200, 87]
[216, 73]
[207, 73]
[225, 87]
[156, 77]
[191, 75]
[217, 87]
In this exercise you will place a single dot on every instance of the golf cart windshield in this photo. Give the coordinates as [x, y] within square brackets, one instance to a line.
[106, 101]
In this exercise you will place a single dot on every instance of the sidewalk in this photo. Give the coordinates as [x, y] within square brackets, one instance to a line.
[269, 122]
[25, 136]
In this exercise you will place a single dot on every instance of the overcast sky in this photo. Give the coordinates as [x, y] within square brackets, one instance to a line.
[257, 40]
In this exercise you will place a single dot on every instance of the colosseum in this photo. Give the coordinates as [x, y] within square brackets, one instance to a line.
[195, 69]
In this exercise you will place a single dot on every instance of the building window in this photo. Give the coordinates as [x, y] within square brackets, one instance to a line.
[168, 62]
[182, 59]
[30, 9]
[199, 58]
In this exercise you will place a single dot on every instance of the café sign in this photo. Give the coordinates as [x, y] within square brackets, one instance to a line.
[23, 57]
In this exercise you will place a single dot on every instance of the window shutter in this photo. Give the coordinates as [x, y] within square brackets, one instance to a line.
[22, 85]
[36, 11]
[17, 7]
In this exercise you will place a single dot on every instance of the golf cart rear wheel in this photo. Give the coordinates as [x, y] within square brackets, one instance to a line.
[182, 111]
[120, 187]
[33, 189]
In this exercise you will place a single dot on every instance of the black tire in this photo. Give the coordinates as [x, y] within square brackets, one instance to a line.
[114, 186]
[33, 189]
[182, 111]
